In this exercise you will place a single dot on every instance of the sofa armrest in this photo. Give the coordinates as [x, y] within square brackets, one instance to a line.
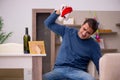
[92, 70]
[110, 66]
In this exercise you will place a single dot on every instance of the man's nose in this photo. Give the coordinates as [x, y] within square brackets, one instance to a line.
[84, 33]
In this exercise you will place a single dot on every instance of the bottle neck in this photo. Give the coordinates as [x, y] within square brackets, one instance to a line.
[26, 30]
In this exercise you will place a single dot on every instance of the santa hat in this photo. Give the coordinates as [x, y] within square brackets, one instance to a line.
[64, 13]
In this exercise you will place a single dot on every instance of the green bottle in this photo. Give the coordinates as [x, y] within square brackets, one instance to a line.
[26, 39]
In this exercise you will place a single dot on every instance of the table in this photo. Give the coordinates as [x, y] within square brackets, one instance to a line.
[31, 62]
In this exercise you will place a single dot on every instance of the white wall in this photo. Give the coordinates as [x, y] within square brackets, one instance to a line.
[17, 14]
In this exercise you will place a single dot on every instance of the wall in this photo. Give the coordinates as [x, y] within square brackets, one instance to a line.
[17, 14]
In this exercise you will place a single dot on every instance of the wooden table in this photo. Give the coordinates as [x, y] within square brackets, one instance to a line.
[31, 62]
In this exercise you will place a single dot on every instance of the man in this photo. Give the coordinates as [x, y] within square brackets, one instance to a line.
[76, 50]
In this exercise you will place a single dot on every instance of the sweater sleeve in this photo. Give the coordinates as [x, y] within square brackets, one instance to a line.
[96, 57]
[50, 23]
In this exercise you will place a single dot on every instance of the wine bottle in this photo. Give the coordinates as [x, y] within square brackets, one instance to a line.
[26, 39]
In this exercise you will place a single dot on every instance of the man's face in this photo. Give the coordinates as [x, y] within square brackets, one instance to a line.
[85, 31]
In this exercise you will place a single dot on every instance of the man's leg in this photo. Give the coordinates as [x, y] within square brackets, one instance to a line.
[56, 74]
[79, 75]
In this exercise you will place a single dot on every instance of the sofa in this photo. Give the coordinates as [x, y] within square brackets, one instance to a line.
[92, 70]
[110, 66]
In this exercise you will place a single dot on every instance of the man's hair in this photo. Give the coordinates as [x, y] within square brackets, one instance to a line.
[92, 23]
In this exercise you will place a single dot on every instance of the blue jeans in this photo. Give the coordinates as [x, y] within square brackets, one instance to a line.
[67, 73]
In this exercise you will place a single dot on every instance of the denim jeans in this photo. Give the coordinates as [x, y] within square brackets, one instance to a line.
[67, 73]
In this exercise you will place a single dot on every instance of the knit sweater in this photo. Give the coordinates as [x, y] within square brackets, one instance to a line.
[74, 52]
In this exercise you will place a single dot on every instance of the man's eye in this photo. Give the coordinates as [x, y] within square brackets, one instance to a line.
[88, 33]
[84, 29]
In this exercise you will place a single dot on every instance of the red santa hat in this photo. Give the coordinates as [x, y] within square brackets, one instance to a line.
[65, 11]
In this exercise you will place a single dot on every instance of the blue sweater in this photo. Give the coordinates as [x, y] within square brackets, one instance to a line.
[73, 52]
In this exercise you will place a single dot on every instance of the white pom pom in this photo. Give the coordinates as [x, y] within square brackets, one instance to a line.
[63, 6]
[60, 18]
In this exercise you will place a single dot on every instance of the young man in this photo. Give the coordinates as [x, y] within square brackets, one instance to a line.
[76, 50]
